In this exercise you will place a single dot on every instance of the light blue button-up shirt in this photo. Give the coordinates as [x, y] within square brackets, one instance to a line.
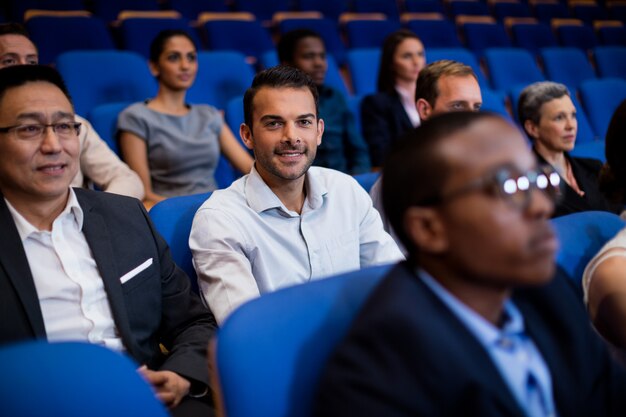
[513, 353]
[245, 242]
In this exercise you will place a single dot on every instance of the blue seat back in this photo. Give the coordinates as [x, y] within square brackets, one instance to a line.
[55, 35]
[369, 33]
[248, 37]
[363, 65]
[271, 350]
[581, 236]
[611, 61]
[222, 75]
[582, 37]
[480, 36]
[88, 380]
[103, 118]
[173, 218]
[510, 67]
[567, 65]
[600, 98]
[435, 33]
[533, 36]
[99, 77]
[136, 34]
[367, 179]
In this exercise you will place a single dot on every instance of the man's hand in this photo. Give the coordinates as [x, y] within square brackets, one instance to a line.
[170, 387]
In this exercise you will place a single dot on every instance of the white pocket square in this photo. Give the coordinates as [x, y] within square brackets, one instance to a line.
[135, 271]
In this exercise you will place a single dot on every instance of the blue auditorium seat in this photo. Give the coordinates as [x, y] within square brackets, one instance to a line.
[480, 36]
[99, 77]
[55, 35]
[435, 33]
[246, 36]
[600, 98]
[190, 9]
[610, 61]
[136, 34]
[18, 7]
[221, 76]
[103, 118]
[511, 67]
[108, 10]
[331, 9]
[173, 218]
[389, 8]
[263, 10]
[501, 10]
[369, 33]
[363, 66]
[472, 8]
[424, 6]
[367, 179]
[612, 35]
[569, 66]
[301, 325]
[588, 12]
[545, 12]
[72, 379]
[494, 102]
[533, 36]
[576, 36]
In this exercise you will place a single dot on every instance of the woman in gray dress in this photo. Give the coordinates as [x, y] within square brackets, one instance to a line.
[172, 145]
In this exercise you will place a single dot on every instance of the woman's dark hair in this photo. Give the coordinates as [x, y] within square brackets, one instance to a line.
[613, 173]
[386, 74]
[158, 43]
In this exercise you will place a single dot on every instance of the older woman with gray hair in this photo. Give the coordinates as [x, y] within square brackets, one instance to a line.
[548, 115]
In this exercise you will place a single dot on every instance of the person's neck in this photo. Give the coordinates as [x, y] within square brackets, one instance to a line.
[41, 213]
[555, 158]
[170, 102]
[407, 86]
[291, 193]
[487, 301]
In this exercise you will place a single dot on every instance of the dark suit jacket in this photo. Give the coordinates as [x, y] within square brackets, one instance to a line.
[383, 120]
[407, 354]
[586, 171]
[153, 307]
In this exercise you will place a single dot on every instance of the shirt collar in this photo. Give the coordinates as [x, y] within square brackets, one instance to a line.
[486, 332]
[260, 197]
[25, 228]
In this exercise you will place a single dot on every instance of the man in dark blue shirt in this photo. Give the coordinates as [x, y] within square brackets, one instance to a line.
[342, 146]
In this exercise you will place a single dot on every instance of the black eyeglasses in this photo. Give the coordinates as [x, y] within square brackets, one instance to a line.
[511, 185]
[64, 130]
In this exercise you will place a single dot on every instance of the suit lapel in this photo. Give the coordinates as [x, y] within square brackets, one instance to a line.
[98, 237]
[14, 262]
[476, 361]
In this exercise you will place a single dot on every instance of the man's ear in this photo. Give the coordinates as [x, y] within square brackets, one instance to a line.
[531, 128]
[423, 108]
[320, 131]
[246, 136]
[425, 228]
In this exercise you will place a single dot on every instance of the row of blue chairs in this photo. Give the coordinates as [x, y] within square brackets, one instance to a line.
[246, 353]
[252, 39]
[110, 9]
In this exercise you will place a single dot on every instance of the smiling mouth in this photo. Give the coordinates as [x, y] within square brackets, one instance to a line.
[52, 169]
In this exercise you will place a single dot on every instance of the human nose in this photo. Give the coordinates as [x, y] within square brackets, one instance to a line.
[540, 204]
[50, 142]
[290, 133]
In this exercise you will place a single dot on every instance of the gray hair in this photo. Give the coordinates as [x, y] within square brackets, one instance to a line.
[536, 95]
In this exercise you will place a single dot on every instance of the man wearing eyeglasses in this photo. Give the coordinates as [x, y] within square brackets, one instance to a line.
[474, 323]
[99, 165]
[82, 265]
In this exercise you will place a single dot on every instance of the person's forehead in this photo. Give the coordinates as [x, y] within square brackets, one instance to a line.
[35, 96]
[19, 44]
[450, 83]
[485, 145]
[282, 100]
[309, 42]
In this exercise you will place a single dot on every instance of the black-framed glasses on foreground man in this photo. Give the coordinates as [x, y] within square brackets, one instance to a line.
[36, 131]
[510, 184]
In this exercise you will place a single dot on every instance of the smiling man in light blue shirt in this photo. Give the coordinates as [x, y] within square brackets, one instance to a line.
[286, 222]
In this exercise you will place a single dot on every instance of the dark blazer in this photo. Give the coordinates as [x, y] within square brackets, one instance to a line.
[407, 354]
[586, 171]
[155, 307]
[383, 120]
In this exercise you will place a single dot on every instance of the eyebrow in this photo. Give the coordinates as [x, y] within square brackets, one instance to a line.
[40, 116]
[277, 117]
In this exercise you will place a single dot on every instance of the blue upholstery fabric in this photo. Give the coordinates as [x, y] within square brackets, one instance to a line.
[72, 379]
[271, 350]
